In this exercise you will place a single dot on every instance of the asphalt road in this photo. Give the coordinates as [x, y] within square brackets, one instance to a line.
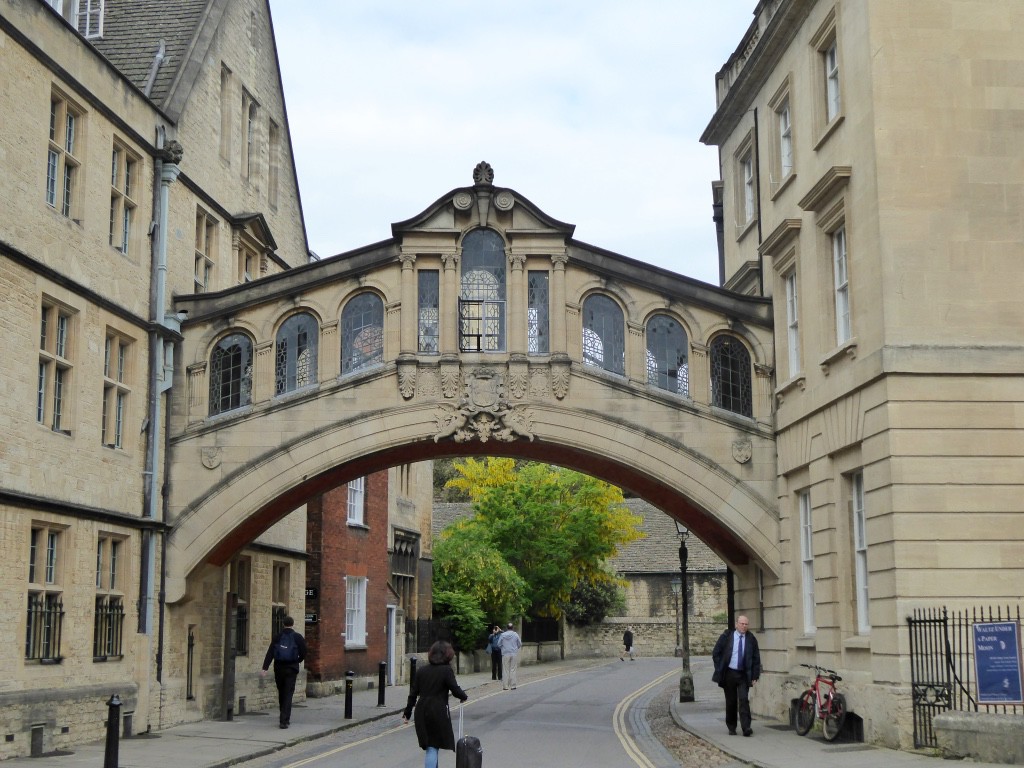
[589, 718]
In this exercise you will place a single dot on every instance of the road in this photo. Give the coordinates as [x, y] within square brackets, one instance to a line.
[591, 718]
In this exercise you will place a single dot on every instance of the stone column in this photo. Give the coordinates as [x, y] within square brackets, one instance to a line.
[198, 393]
[408, 341]
[700, 374]
[558, 326]
[636, 357]
[449, 304]
[517, 304]
[329, 353]
[263, 372]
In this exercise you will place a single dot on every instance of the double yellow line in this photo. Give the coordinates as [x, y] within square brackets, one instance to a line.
[619, 722]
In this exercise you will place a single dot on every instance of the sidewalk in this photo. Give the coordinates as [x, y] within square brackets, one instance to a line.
[218, 743]
[776, 745]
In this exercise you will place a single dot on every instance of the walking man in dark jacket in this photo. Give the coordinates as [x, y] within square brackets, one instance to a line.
[287, 651]
[737, 662]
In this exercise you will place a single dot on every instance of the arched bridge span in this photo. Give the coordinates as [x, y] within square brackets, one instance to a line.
[480, 328]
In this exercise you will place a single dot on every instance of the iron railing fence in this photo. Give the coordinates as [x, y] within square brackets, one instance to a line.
[942, 667]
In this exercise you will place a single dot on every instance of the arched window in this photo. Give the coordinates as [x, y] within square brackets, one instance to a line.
[730, 376]
[604, 342]
[362, 333]
[482, 293]
[295, 353]
[231, 374]
[667, 354]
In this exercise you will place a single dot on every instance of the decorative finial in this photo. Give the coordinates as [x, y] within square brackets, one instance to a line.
[483, 173]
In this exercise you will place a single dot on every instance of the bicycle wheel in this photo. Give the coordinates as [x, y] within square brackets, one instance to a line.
[832, 725]
[805, 712]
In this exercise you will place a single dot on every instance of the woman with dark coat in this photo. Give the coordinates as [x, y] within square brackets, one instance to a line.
[431, 686]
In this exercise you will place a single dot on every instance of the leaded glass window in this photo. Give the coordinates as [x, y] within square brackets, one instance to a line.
[429, 311]
[604, 342]
[482, 293]
[730, 376]
[667, 355]
[295, 353]
[537, 328]
[362, 333]
[231, 374]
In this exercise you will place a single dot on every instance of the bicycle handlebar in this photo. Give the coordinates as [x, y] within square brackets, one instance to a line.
[830, 672]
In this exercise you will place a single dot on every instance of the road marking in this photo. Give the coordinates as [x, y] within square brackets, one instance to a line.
[619, 722]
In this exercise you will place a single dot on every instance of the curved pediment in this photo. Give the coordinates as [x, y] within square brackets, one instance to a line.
[483, 205]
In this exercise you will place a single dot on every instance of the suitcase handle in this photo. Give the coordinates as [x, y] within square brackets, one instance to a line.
[460, 719]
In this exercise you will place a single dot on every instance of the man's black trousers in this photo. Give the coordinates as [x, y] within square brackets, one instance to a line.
[284, 676]
[737, 700]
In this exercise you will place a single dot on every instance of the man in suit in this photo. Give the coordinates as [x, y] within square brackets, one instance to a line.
[737, 667]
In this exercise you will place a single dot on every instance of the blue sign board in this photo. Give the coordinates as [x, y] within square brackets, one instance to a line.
[997, 662]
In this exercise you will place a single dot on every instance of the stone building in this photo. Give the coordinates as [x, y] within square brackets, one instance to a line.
[871, 182]
[145, 153]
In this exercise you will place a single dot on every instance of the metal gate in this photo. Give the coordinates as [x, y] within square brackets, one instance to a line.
[942, 665]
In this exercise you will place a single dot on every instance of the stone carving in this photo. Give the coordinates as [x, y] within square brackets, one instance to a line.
[560, 382]
[483, 413]
[211, 457]
[742, 450]
[483, 173]
[449, 380]
[462, 201]
[428, 383]
[504, 200]
[407, 380]
[517, 384]
[539, 383]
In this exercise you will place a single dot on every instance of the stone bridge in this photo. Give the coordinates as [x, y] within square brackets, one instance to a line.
[481, 327]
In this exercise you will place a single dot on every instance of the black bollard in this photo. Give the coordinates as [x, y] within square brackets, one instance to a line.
[113, 720]
[381, 669]
[348, 694]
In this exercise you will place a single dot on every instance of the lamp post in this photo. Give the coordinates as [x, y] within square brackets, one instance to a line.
[686, 692]
[676, 585]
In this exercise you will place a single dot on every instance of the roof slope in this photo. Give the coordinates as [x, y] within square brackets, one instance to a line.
[133, 30]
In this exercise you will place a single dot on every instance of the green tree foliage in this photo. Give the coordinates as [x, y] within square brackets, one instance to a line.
[556, 527]
[463, 613]
[591, 601]
[466, 562]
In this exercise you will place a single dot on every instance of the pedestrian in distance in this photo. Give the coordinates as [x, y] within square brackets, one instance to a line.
[509, 643]
[627, 645]
[428, 694]
[287, 652]
[495, 652]
[737, 661]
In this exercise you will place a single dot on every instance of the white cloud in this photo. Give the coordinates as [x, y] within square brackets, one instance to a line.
[592, 110]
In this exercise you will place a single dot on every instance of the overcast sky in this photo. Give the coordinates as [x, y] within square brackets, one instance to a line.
[591, 109]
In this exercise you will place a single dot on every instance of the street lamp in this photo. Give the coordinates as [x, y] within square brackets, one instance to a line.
[686, 678]
[676, 585]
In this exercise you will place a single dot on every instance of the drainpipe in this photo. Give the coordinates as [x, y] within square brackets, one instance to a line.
[160, 366]
[757, 189]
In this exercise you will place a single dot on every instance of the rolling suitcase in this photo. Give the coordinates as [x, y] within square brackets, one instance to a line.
[468, 752]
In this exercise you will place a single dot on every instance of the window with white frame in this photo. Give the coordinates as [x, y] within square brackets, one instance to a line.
[66, 8]
[108, 619]
[53, 386]
[124, 165]
[792, 323]
[206, 250]
[807, 561]
[355, 611]
[785, 128]
[747, 179]
[860, 552]
[45, 614]
[63, 161]
[357, 501]
[841, 285]
[116, 372]
[830, 57]
[90, 18]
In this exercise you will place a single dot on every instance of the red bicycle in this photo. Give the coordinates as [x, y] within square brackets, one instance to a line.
[821, 702]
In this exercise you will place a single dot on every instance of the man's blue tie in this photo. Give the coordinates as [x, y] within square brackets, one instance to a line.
[739, 656]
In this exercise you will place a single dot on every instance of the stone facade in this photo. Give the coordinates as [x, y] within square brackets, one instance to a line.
[871, 183]
[103, 179]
